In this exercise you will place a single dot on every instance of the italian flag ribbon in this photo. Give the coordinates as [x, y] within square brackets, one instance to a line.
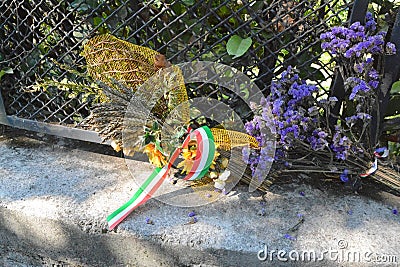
[204, 157]
[382, 152]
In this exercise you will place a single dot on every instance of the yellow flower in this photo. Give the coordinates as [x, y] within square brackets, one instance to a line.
[188, 154]
[155, 156]
[115, 145]
[224, 163]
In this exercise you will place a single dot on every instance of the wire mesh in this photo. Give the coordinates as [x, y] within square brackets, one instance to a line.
[35, 34]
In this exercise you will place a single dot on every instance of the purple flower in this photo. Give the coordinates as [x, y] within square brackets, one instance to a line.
[276, 108]
[340, 145]
[350, 212]
[395, 212]
[373, 84]
[390, 48]
[287, 94]
[313, 110]
[383, 33]
[318, 139]
[373, 74]
[349, 53]
[362, 46]
[287, 236]
[326, 35]
[344, 176]
[286, 74]
[301, 193]
[363, 116]
[350, 121]
[362, 86]
[262, 212]
[356, 26]
[341, 155]
[325, 45]
[359, 67]
[192, 220]
[355, 41]
[369, 16]
[322, 134]
[192, 214]
[295, 77]
[370, 24]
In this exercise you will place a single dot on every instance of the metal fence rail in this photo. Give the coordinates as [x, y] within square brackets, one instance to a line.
[35, 34]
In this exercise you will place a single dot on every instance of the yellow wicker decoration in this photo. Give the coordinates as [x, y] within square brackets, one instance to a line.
[227, 139]
[115, 62]
[108, 57]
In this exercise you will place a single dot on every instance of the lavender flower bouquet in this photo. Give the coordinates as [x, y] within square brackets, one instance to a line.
[310, 138]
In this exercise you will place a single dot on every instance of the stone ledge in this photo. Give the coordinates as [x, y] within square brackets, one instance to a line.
[55, 195]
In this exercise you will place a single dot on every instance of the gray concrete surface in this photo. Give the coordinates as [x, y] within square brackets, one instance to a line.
[56, 193]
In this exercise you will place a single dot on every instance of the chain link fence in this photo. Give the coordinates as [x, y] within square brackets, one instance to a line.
[37, 37]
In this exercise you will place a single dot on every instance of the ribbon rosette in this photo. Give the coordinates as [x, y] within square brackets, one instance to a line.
[204, 157]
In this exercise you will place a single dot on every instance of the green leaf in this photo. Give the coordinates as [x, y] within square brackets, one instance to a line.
[158, 146]
[224, 11]
[238, 46]
[6, 71]
[155, 126]
[97, 21]
[188, 2]
[149, 139]
[393, 107]
[395, 87]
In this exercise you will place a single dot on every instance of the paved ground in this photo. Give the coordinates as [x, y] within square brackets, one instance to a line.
[55, 194]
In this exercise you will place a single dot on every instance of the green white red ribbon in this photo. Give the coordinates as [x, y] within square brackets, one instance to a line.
[204, 157]
[381, 152]
[371, 170]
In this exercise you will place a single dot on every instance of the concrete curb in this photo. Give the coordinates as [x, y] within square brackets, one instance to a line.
[54, 199]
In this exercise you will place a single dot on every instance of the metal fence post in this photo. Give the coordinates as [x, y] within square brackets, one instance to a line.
[3, 114]
[58, 130]
[391, 75]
